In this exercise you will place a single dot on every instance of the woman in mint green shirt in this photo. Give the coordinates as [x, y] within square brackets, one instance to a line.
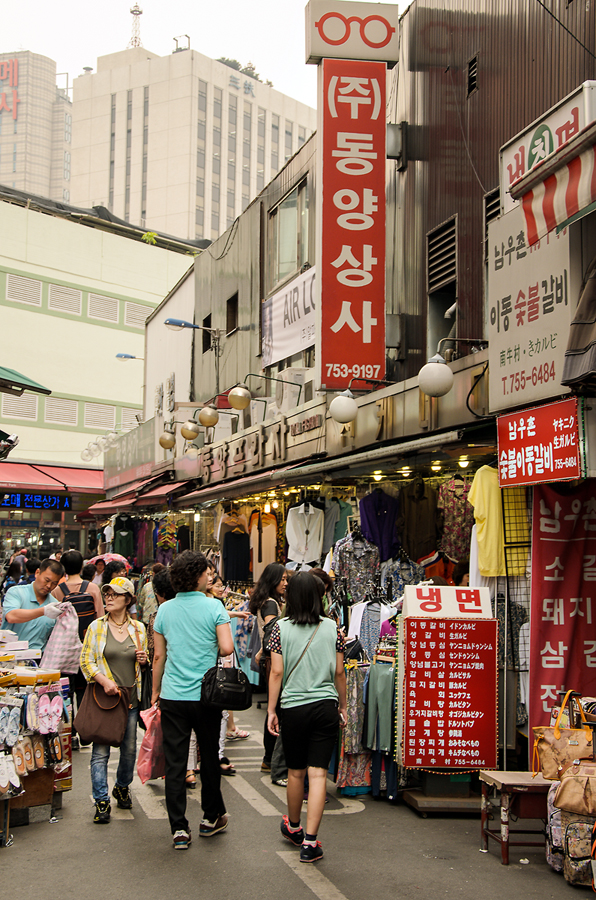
[307, 667]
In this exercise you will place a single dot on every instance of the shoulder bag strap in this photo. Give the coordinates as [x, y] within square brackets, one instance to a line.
[303, 652]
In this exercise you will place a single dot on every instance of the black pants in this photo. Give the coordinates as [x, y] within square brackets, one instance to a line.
[77, 685]
[178, 719]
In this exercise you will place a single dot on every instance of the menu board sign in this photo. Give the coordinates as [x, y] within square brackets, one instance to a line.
[446, 601]
[450, 693]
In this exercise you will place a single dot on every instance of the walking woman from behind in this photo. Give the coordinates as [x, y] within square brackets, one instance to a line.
[114, 650]
[265, 603]
[307, 668]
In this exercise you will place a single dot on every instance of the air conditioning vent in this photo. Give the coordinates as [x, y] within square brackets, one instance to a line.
[128, 418]
[442, 256]
[104, 308]
[99, 416]
[65, 299]
[135, 315]
[23, 290]
[472, 75]
[59, 411]
[24, 407]
[289, 392]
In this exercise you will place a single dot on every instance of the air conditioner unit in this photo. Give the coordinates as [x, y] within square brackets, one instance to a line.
[289, 391]
[262, 408]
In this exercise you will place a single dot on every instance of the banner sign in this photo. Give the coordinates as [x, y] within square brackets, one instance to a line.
[563, 613]
[289, 320]
[540, 444]
[450, 694]
[353, 221]
[429, 600]
[131, 457]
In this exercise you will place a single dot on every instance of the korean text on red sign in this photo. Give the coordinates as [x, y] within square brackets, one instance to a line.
[450, 693]
[540, 444]
[353, 222]
[563, 613]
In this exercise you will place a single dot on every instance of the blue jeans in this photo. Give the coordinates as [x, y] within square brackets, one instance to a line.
[126, 766]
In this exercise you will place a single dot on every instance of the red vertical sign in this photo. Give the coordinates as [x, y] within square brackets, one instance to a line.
[563, 614]
[353, 221]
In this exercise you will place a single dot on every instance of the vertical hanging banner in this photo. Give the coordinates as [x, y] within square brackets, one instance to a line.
[563, 613]
[352, 340]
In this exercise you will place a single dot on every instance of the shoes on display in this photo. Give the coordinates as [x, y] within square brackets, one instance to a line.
[294, 837]
[14, 723]
[45, 714]
[310, 853]
[207, 828]
[27, 750]
[181, 840]
[4, 717]
[56, 710]
[4, 779]
[38, 751]
[122, 797]
[33, 711]
[103, 811]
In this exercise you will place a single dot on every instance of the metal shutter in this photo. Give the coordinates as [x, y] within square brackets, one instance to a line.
[442, 256]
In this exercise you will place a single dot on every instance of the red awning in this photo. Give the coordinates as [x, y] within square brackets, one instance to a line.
[81, 481]
[132, 489]
[157, 495]
[26, 477]
[109, 507]
[558, 189]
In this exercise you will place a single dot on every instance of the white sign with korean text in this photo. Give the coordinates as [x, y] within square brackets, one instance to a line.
[544, 137]
[446, 602]
[289, 319]
[531, 299]
[337, 29]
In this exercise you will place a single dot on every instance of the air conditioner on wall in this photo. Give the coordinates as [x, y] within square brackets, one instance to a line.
[295, 386]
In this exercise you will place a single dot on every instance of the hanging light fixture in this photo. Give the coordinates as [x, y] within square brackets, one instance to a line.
[94, 448]
[86, 455]
[435, 379]
[190, 430]
[239, 397]
[168, 438]
[209, 416]
[343, 408]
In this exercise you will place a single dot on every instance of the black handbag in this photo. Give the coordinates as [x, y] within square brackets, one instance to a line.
[226, 689]
[267, 631]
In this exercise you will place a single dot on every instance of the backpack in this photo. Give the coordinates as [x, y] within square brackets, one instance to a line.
[84, 605]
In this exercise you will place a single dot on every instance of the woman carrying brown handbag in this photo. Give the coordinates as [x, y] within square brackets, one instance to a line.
[114, 650]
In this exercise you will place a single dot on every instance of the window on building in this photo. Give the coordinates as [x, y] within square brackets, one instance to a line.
[261, 124]
[232, 313]
[128, 156]
[246, 152]
[201, 147]
[441, 279]
[67, 128]
[145, 155]
[472, 75]
[288, 235]
[288, 141]
[14, 157]
[66, 165]
[202, 96]
[112, 153]
[301, 135]
[274, 143]
[206, 323]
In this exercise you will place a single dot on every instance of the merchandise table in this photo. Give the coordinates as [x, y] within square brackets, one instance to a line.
[522, 796]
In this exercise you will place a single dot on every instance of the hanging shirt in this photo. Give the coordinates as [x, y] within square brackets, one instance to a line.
[378, 518]
[341, 529]
[358, 562]
[236, 556]
[458, 519]
[418, 519]
[485, 497]
[331, 520]
[304, 532]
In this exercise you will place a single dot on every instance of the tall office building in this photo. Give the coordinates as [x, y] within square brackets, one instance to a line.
[35, 126]
[181, 143]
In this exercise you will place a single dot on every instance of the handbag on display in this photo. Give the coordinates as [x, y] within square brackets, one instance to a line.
[102, 718]
[226, 689]
[577, 790]
[556, 747]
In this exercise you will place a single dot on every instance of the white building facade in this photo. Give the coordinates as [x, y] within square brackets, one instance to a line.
[35, 126]
[179, 144]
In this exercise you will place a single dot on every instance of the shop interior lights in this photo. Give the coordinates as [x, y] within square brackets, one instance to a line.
[463, 462]
[377, 476]
[436, 467]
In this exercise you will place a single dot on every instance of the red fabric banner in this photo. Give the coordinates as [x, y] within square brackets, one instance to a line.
[563, 613]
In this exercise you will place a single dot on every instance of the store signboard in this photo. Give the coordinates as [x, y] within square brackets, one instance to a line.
[450, 693]
[289, 320]
[22, 500]
[132, 456]
[351, 236]
[446, 601]
[540, 444]
[544, 137]
[531, 295]
[563, 601]
[337, 29]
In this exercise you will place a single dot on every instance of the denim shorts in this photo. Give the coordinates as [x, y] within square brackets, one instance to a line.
[309, 734]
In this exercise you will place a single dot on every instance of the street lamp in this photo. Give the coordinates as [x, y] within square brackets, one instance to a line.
[123, 357]
[216, 333]
[435, 379]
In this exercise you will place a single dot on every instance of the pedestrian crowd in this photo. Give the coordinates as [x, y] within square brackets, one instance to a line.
[161, 641]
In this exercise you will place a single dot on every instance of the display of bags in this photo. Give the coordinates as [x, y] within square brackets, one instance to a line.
[102, 718]
[557, 747]
[577, 791]
[577, 841]
[226, 689]
[63, 649]
[151, 762]
[554, 834]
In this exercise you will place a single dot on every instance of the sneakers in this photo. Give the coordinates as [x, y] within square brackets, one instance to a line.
[294, 837]
[122, 797]
[310, 853]
[103, 811]
[207, 829]
[181, 840]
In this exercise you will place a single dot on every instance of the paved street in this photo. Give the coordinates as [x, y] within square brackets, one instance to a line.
[372, 850]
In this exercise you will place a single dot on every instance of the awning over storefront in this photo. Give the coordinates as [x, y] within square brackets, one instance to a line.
[81, 481]
[561, 189]
[131, 489]
[26, 477]
[158, 495]
[111, 507]
[14, 383]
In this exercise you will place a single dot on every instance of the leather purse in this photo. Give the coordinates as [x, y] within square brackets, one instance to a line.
[577, 791]
[102, 718]
[555, 748]
[227, 688]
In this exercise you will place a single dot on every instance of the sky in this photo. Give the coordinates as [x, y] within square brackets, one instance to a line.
[269, 33]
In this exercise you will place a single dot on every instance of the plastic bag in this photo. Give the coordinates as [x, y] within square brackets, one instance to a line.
[63, 649]
[151, 762]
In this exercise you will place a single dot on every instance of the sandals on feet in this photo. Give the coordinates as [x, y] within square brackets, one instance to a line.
[237, 735]
[226, 766]
[191, 781]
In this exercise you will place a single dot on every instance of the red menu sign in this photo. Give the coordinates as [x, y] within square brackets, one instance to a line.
[539, 444]
[353, 221]
[450, 693]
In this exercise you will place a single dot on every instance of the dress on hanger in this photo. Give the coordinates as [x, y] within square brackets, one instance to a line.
[378, 520]
[304, 532]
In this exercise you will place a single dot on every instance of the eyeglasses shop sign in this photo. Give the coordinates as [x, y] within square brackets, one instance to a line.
[289, 319]
[336, 29]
